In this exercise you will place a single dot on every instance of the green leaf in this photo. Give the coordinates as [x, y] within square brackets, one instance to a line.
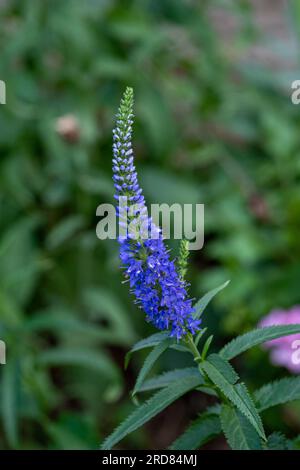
[201, 305]
[19, 266]
[149, 362]
[78, 357]
[224, 367]
[103, 304]
[202, 430]
[199, 335]
[10, 388]
[161, 186]
[149, 342]
[279, 392]
[277, 441]
[245, 395]
[93, 360]
[151, 408]
[64, 438]
[239, 435]
[294, 444]
[208, 390]
[255, 337]
[62, 322]
[206, 346]
[64, 231]
[223, 377]
[167, 378]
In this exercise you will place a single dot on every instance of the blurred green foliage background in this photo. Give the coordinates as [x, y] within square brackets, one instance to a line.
[214, 125]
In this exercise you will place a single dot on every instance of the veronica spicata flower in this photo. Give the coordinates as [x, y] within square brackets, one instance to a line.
[158, 288]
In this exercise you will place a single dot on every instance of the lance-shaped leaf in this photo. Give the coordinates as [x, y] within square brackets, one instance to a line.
[151, 408]
[201, 305]
[149, 342]
[149, 362]
[227, 370]
[202, 430]
[224, 377]
[167, 378]
[279, 392]
[255, 337]
[239, 435]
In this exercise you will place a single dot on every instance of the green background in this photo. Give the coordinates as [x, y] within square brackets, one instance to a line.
[214, 125]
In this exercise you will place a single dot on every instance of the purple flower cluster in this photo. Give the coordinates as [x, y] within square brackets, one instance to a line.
[284, 351]
[153, 278]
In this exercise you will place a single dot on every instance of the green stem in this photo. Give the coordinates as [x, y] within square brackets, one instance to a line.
[189, 340]
[193, 348]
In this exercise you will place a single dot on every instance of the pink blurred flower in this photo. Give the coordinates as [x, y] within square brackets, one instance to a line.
[283, 350]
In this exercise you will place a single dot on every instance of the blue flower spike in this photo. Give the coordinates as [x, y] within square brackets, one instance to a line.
[158, 288]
